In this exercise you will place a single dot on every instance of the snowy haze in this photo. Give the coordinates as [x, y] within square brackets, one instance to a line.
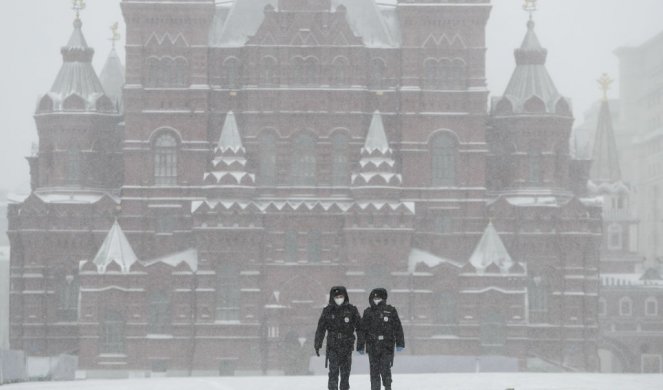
[579, 34]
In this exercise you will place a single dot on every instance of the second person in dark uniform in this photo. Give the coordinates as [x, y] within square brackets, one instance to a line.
[382, 331]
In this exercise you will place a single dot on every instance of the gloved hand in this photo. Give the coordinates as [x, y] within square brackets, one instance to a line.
[361, 351]
[317, 351]
[400, 349]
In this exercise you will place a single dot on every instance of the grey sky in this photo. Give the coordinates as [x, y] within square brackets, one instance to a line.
[580, 36]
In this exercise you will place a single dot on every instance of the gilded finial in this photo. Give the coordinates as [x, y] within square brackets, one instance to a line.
[78, 6]
[530, 6]
[605, 82]
[115, 33]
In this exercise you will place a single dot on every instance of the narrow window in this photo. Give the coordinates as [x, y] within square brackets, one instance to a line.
[443, 151]
[267, 159]
[340, 160]
[165, 160]
[303, 163]
[159, 312]
[227, 292]
[112, 333]
[73, 166]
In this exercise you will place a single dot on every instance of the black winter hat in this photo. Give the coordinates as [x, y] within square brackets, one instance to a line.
[338, 290]
[378, 293]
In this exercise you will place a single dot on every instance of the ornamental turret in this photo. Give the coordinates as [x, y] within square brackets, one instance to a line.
[77, 123]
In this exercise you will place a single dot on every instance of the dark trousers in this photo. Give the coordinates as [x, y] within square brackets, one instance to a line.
[379, 361]
[339, 362]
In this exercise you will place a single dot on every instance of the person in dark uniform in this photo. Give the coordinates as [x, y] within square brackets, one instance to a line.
[382, 330]
[339, 320]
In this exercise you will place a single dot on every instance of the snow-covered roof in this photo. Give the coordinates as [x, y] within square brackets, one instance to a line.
[112, 77]
[76, 87]
[228, 168]
[629, 280]
[377, 166]
[115, 249]
[376, 139]
[530, 82]
[491, 250]
[189, 257]
[418, 256]
[71, 197]
[302, 205]
[230, 138]
[236, 21]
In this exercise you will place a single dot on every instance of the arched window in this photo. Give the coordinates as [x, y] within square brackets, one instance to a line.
[454, 73]
[615, 237]
[443, 153]
[340, 160]
[267, 159]
[159, 312]
[340, 71]
[651, 307]
[269, 71]
[152, 76]
[303, 165]
[232, 72]
[73, 166]
[298, 71]
[625, 307]
[430, 73]
[227, 292]
[166, 72]
[181, 72]
[377, 76]
[165, 160]
[112, 333]
[68, 287]
[311, 71]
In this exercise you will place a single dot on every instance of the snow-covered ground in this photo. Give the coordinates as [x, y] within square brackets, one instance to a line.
[401, 382]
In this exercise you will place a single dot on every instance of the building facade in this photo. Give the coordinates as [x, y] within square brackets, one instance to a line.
[641, 94]
[189, 215]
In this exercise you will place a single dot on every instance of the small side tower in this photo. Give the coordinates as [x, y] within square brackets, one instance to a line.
[77, 123]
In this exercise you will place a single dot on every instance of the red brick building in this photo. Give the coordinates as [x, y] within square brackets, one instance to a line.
[264, 150]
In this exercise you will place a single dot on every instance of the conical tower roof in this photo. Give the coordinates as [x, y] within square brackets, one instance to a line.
[605, 158]
[77, 74]
[228, 168]
[531, 88]
[377, 166]
[230, 139]
[491, 250]
[376, 139]
[115, 249]
[112, 77]
[76, 87]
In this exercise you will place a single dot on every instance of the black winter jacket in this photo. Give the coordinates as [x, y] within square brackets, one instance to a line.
[339, 322]
[380, 325]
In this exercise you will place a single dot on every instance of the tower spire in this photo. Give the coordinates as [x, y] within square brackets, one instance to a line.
[115, 33]
[530, 6]
[605, 82]
[605, 158]
[78, 6]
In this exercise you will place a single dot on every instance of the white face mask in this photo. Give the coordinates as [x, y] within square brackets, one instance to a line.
[377, 301]
[339, 301]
